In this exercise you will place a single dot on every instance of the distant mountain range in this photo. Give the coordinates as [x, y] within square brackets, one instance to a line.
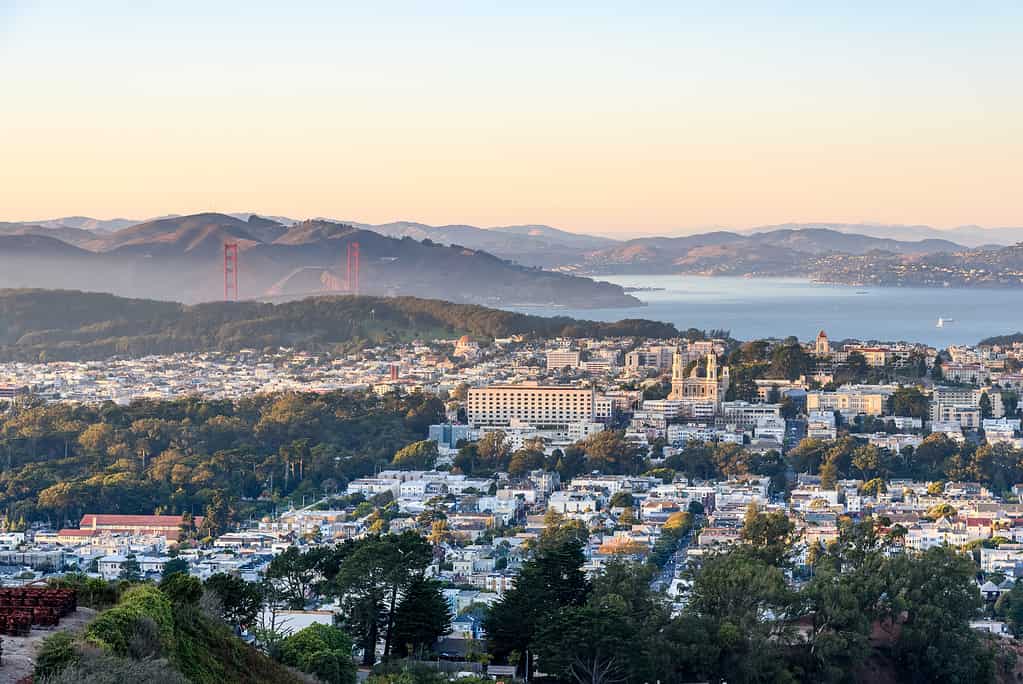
[180, 258]
[968, 236]
[820, 254]
[722, 252]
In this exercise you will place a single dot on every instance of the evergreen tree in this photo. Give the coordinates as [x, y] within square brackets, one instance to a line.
[421, 618]
[370, 580]
[131, 571]
[548, 582]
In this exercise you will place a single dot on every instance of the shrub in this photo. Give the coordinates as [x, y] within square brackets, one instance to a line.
[182, 589]
[322, 651]
[114, 629]
[103, 668]
[93, 592]
[152, 603]
[55, 654]
[145, 641]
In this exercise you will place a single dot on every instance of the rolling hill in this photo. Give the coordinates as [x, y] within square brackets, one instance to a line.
[68, 325]
[181, 259]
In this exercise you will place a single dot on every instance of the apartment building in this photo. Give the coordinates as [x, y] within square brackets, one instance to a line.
[680, 434]
[948, 402]
[899, 355]
[448, 436]
[651, 357]
[966, 373]
[562, 358]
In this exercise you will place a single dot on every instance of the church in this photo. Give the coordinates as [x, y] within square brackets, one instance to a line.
[707, 389]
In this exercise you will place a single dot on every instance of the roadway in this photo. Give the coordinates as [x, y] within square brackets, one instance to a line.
[676, 561]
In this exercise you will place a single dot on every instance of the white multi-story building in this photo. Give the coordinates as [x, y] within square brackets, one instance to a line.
[680, 434]
[965, 416]
[746, 415]
[946, 402]
[771, 427]
[821, 425]
[598, 366]
[1001, 430]
[368, 486]
[580, 431]
[895, 442]
[572, 502]
[562, 358]
[1001, 424]
[667, 408]
[1005, 558]
[951, 429]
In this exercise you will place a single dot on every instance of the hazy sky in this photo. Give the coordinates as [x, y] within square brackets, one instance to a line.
[610, 117]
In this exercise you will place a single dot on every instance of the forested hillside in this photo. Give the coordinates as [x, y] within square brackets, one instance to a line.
[70, 325]
[224, 459]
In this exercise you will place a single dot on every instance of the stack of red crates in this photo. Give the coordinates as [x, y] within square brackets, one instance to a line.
[22, 607]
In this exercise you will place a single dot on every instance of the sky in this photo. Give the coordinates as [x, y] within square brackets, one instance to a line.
[617, 118]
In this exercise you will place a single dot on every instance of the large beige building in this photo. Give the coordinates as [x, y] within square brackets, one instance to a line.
[532, 404]
[852, 399]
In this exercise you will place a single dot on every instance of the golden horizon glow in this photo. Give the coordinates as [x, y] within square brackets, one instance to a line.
[619, 124]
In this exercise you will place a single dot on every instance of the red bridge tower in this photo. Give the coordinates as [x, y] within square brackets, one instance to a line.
[230, 271]
[352, 277]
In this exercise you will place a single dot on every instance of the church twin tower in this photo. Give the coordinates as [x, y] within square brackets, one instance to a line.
[709, 388]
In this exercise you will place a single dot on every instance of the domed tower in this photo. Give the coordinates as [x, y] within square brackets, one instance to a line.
[823, 347]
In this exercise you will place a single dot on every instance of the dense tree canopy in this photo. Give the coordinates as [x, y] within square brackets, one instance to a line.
[744, 621]
[63, 460]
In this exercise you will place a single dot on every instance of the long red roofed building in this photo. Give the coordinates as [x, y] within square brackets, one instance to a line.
[168, 526]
